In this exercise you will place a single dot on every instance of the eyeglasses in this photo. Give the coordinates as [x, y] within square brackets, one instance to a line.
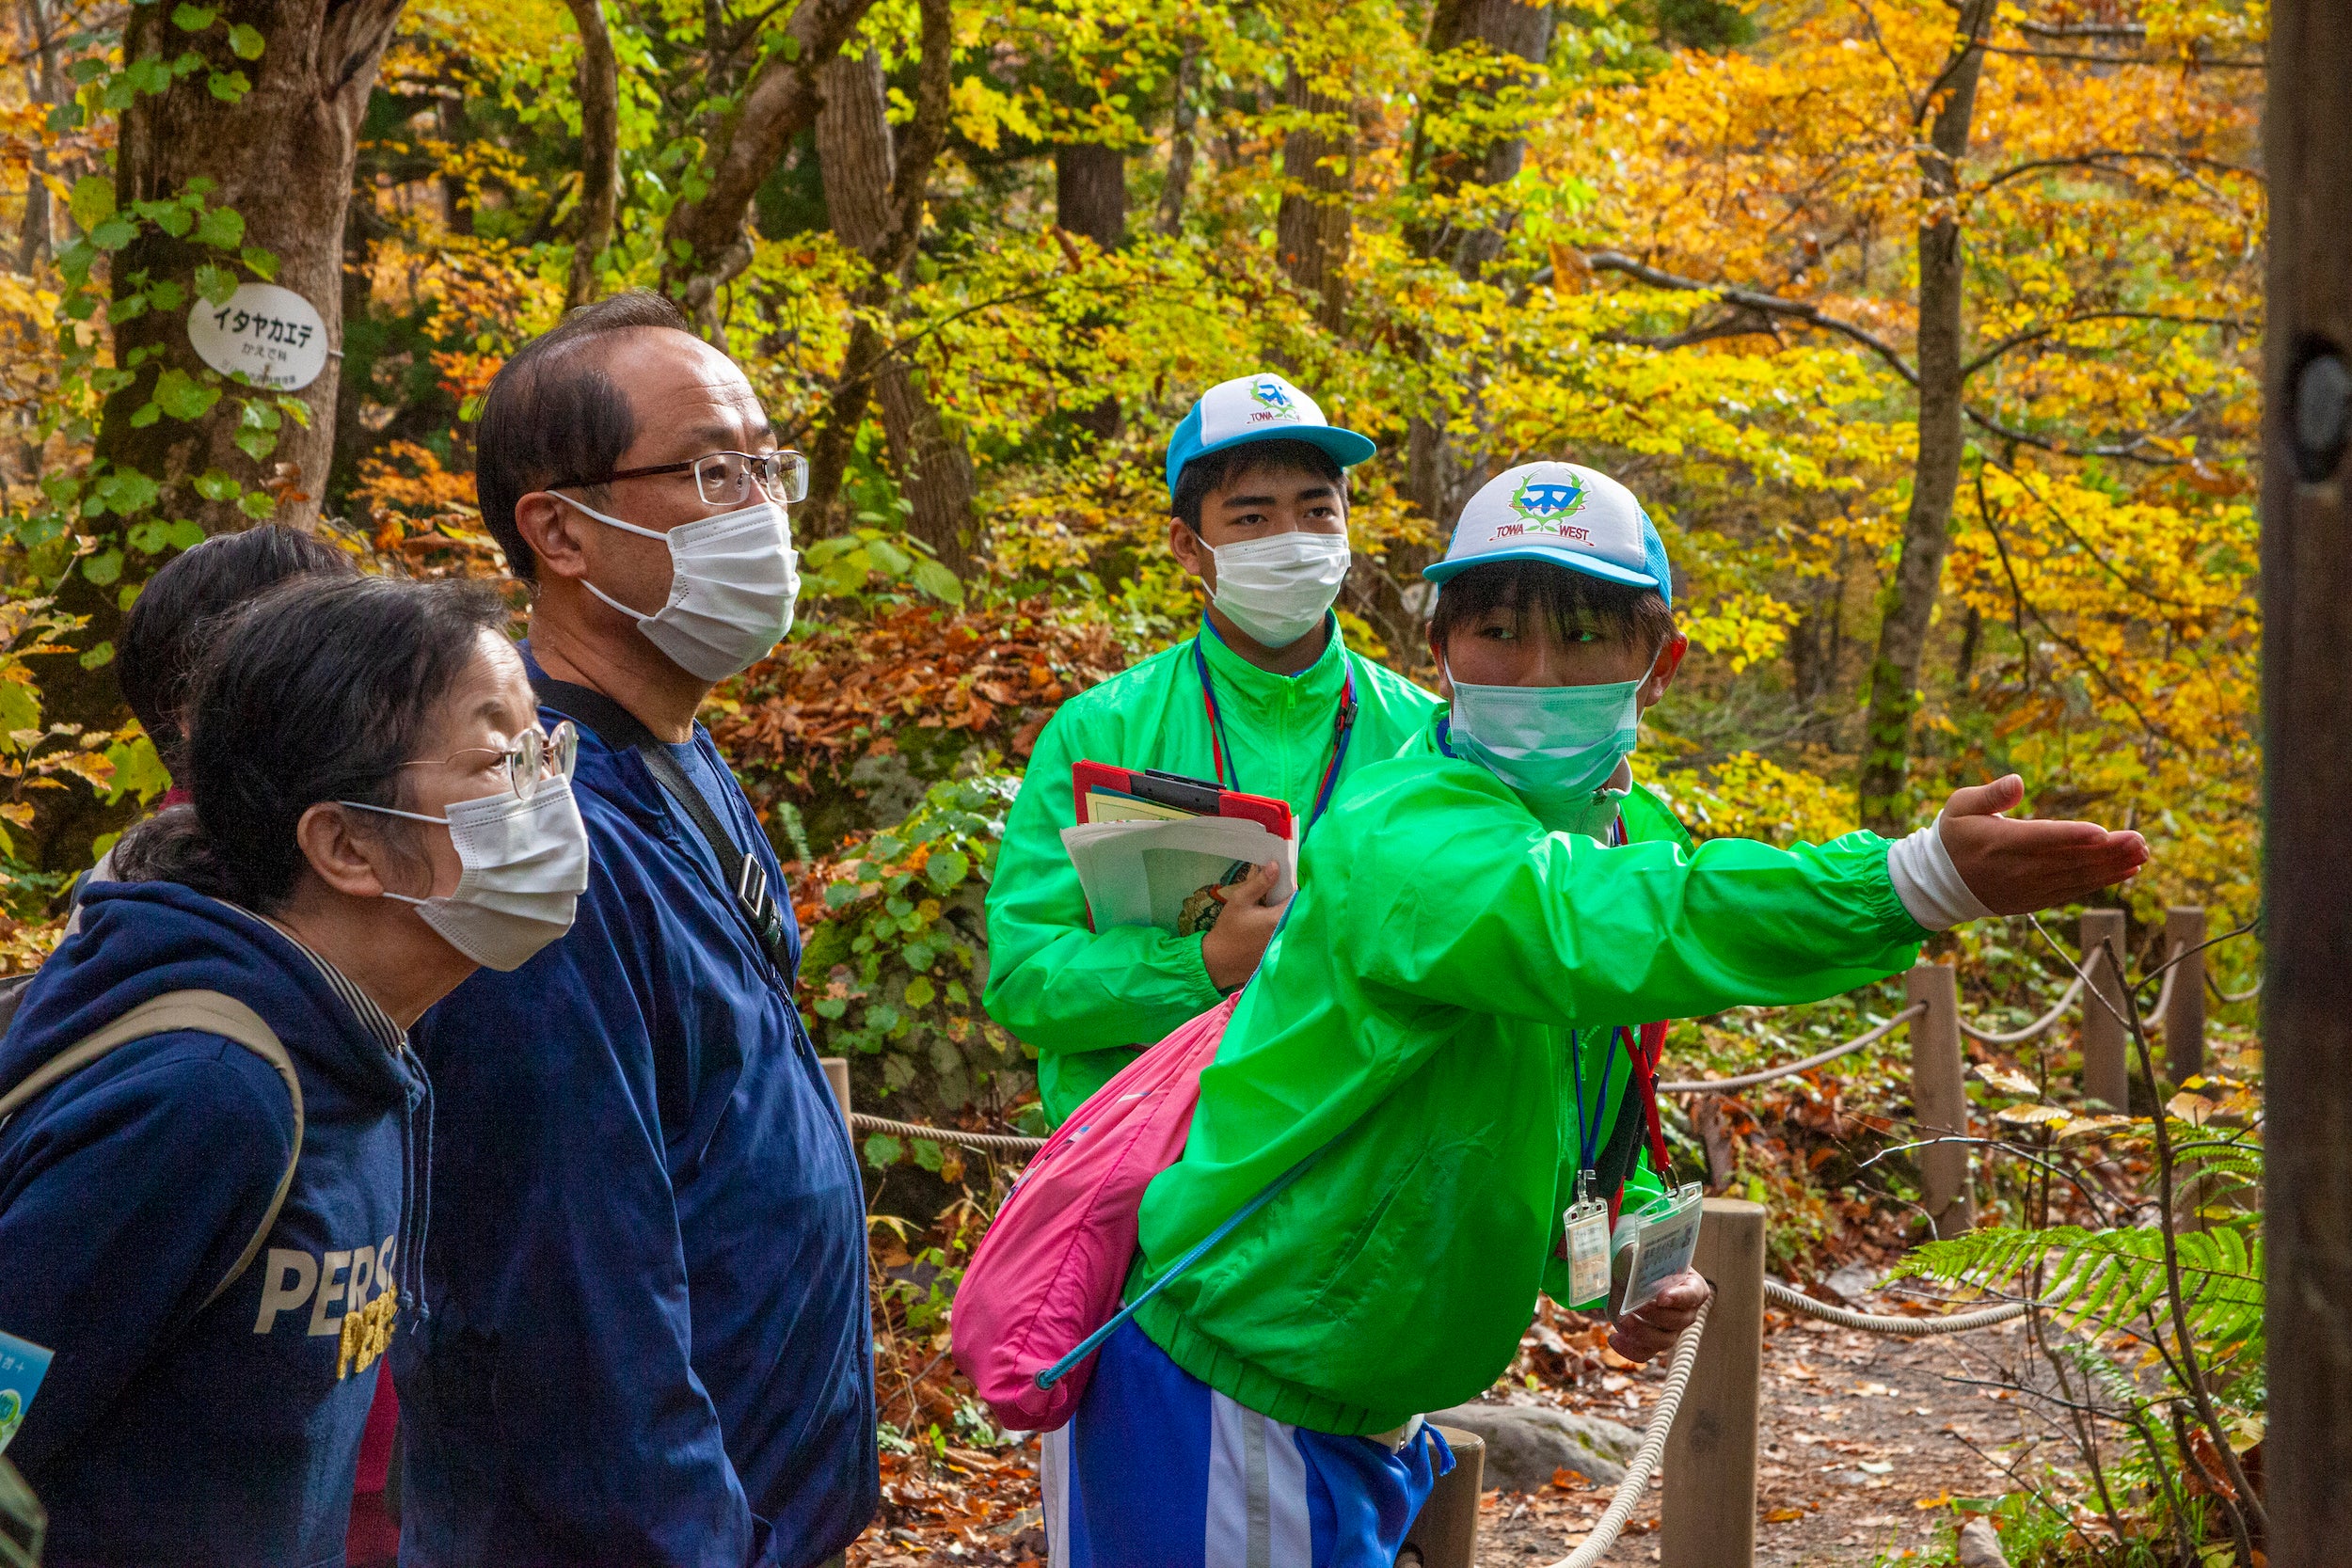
[724, 478]
[537, 757]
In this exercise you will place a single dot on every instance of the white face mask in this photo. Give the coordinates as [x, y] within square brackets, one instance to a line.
[526, 864]
[1279, 590]
[733, 583]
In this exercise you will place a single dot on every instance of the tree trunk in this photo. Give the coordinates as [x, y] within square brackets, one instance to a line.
[1908, 601]
[1091, 192]
[1313, 226]
[599, 150]
[1442, 468]
[281, 156]
[874, 193]
[705, 242]
[2307, 754]
[1182, 120]
[1522, 34]
[44, 86]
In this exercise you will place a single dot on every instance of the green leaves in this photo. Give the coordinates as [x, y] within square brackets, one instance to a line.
[230, 87]
[155, 536]
[193, 19]
[872, 563]
[182, 397]
[245, 41]
[218, 285]
[92, 202]
[124, 492]
[222, 228]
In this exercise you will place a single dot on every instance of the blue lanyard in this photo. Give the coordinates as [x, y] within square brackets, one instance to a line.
[1587, 1133]
[1220, 754]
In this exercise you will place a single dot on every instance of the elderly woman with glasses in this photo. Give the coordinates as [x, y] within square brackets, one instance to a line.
[211, 1162]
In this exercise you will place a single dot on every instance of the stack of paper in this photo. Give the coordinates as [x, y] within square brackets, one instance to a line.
[1144, 873]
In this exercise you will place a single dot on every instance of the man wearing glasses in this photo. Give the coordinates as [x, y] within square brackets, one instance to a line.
[647, 1340]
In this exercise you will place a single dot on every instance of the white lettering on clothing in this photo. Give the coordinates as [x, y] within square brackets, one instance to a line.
[286, 1282]
[362, 1265]
[330, 1292]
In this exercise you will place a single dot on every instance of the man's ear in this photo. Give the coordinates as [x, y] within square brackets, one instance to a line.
[335, 854]
[1662, 672]
[1191, 552]
[1437, 656]
[554, 531]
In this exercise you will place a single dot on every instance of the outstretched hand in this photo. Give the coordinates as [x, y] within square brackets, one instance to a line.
[2014, 867]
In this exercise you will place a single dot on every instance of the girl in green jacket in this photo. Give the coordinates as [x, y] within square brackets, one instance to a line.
[1436, 1028]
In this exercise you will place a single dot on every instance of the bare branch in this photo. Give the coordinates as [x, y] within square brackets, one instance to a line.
[2093, 160]
[2084, 29]
[1764, 304]
[2185, 61]
[2036, 334]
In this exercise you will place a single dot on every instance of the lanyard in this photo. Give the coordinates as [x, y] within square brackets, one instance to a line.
[1343, 727]
[1587, 1127]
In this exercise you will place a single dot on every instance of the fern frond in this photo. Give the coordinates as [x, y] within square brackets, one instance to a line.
[2114, 1277]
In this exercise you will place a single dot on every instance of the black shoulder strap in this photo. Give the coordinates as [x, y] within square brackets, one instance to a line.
[618, 727]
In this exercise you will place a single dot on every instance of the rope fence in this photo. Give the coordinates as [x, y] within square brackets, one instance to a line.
[1899, 1327]
[2039, 1026]
[1749, 1080]
[1637, 1471]
[992, 1143]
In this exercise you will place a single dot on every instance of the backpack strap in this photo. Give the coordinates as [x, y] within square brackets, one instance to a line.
[619, 728]
[207, 1012]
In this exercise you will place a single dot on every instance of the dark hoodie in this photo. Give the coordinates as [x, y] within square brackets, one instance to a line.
[167, 1429]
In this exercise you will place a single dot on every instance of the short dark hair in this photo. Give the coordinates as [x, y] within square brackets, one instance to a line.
[1213, 470]
[553, 413]
[163, 636]
[1570, 600]
[315, 691]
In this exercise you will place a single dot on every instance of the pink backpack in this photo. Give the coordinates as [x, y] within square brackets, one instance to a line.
[1043, 1291]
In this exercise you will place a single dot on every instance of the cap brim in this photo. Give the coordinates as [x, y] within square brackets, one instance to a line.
[1345, 447]
[1592, 566]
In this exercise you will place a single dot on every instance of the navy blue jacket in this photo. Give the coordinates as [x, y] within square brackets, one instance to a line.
[167, 1430]
[650, 1342]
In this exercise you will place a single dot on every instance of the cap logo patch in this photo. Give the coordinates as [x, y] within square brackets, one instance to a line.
[1273, 402]
[1544, 506]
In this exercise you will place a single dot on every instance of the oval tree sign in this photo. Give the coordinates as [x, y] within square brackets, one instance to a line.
[273, 335]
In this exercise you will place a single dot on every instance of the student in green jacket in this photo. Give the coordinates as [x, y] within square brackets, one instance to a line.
[1265, 698]
[1436, 1027]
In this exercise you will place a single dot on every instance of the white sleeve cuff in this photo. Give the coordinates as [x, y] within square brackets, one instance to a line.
[1928, 883]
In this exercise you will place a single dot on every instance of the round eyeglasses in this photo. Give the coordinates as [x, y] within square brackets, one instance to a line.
[537, 757]
[726, 478]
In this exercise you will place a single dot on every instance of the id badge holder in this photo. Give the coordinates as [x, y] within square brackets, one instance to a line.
[1664, 1237]
[1587, 1223]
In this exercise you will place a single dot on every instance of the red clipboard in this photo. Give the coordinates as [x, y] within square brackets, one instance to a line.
[1177, 793]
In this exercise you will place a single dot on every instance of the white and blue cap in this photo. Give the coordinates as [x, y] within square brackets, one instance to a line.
[1261, 407]
[1564, 513]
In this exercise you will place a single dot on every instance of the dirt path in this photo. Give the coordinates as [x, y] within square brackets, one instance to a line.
[1857, 1431]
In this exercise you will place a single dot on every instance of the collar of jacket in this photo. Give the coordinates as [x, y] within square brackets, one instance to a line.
[1646, 817]
[1242, 687]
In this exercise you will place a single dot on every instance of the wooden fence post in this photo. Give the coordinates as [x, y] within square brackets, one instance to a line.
[2107, 1072]
[1711, 1454]
[2184, 1011]
[1939, 1098]
[838, 1075]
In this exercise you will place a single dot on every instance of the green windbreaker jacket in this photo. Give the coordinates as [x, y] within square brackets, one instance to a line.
[1415, 1015]
[1087, 1000]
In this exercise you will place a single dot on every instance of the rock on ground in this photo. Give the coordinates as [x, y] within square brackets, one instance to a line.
[1526, 1444]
